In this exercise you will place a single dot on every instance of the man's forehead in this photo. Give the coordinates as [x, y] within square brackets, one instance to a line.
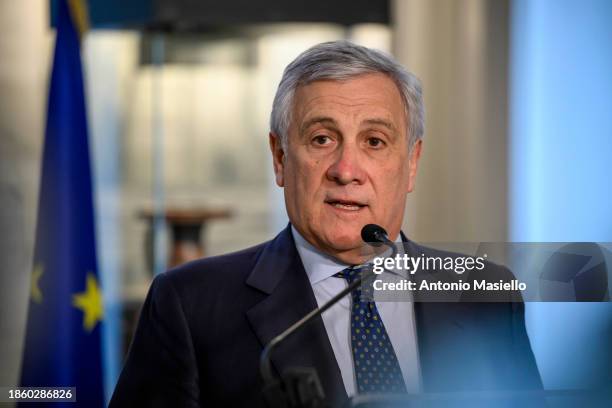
[365, 85]
[375, 98]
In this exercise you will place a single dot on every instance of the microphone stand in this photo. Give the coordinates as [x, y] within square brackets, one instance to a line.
[305, 383]
[302, 388]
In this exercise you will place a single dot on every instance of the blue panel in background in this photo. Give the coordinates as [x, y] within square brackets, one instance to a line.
[561, 168]
[114, 13]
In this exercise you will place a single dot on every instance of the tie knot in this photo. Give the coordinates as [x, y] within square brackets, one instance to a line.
[352, 273]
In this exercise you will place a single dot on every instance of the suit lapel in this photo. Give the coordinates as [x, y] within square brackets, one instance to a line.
[440, 326]
[280, 274]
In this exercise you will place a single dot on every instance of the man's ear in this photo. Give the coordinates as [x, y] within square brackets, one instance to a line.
[278, 158]
[413, 164]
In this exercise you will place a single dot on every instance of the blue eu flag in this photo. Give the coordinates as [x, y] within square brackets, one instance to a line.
[63, 337]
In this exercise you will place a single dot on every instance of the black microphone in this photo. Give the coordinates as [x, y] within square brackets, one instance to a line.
[376, 235]
[305, 383]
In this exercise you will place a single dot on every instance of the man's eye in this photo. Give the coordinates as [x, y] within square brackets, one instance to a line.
[321, 140]
[375, 142]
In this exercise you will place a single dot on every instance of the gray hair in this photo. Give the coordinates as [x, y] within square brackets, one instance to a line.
[343, 60]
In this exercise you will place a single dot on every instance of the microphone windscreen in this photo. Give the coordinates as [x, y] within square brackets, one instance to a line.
[373, 234]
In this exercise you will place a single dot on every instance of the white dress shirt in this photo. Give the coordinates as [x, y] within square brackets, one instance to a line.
[398, 317]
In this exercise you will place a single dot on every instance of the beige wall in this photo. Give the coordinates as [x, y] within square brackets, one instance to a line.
[24, 59]
[459, 50]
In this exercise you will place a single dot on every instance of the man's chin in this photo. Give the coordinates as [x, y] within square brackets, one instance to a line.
[352, 256]
[343, 239]
[348, 248]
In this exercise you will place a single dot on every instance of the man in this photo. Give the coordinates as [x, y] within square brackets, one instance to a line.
[346, 129]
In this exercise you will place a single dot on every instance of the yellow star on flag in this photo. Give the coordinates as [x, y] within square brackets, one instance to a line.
[90, 302]
[35, 292]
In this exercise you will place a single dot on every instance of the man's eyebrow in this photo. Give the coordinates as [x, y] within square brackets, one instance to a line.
[331, 121]
[381, 122]
[317, 119]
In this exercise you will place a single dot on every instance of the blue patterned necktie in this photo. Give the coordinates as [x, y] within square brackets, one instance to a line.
[376, 367]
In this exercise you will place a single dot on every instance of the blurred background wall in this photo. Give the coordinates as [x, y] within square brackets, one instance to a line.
[559, 155]
[25, 47]
[179, 119]
[460, 52]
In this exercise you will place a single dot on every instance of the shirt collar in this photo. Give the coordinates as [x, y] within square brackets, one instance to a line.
[318, 265]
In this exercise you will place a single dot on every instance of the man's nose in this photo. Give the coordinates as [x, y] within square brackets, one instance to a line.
[347, 166]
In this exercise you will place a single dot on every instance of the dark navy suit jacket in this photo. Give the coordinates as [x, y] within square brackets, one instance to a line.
[203, 327]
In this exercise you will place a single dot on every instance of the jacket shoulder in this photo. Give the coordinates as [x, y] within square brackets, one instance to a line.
[204, 283]
[234, 265]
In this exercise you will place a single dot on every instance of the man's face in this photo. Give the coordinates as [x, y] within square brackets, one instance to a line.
[347, 162]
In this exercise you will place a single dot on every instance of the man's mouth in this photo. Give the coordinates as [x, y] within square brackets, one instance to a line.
[347, 205]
